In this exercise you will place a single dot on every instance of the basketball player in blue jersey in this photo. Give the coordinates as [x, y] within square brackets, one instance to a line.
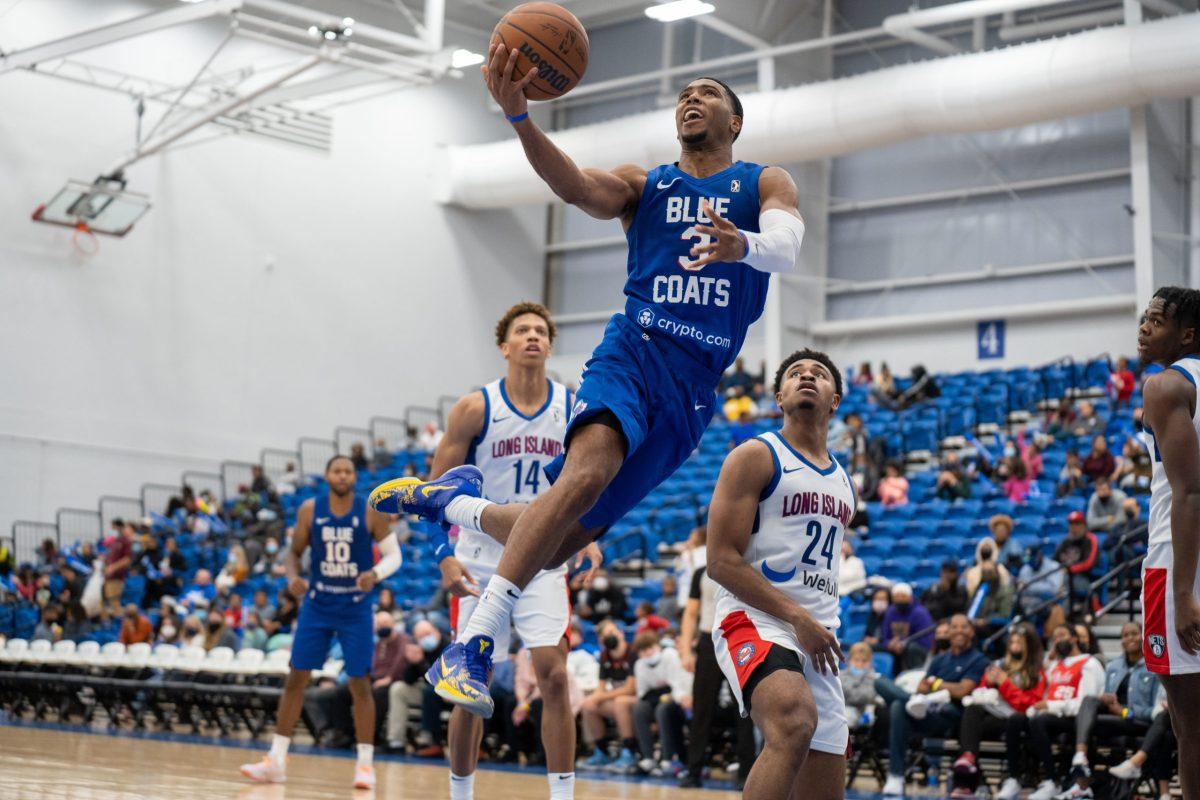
[509, 429]
[340, 529]
[775, 527]
[704, 235]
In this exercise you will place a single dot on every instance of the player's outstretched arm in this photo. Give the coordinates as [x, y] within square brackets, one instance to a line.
[463, 426]
[602, 194]
[776, 245]
[1170, 400]
[747, 471]
[291, 560]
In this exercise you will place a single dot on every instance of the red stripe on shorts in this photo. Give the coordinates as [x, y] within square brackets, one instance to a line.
[746, 648]
[1154, 607]
[453, 617]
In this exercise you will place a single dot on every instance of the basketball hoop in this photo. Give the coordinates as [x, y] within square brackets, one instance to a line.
[83, 241]
[102, 206]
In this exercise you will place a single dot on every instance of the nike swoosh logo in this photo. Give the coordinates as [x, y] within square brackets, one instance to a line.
[793, 469]
[321, 520]
[777, 577]
[697, 408]
[426, 490]
[501, 419]
[662, 185]
[512, 594]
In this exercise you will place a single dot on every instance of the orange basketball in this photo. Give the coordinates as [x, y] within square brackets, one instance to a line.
[548, 37]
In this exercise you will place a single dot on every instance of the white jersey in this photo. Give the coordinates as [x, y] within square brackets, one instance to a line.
[1160, 489]
[511, 451]
[797, 541]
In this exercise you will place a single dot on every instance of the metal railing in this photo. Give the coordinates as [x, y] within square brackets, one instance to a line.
[345, 437]
[275, 461]
[78, 525]
[415, 417]
[235, 475]
[28, 536]
[205, 482]
[444, 404]
[642, 549]
[314, 454]
[157, 496]
[123, 508]
[393, 431]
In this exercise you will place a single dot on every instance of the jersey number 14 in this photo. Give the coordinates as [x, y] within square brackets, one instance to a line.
[532, 477]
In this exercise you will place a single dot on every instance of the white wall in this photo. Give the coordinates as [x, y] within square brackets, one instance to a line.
[180, 342]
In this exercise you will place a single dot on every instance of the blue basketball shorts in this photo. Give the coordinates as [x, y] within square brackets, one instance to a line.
[324, 615]
[663, 405]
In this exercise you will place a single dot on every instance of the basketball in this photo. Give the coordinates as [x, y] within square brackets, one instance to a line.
[547, 37]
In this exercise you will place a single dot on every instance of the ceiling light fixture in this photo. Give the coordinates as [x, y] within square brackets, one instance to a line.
[465, 58]
[679, 9]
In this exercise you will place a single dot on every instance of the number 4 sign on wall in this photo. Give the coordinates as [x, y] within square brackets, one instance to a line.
[989, 339]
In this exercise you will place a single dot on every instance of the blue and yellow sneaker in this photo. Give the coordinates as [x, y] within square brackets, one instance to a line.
[428, 499]
[462, 673]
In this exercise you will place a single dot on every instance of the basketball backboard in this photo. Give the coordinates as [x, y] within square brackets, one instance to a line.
[100, 207]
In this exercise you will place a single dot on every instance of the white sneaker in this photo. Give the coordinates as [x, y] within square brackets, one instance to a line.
[1046, 790]
[647, 765]
[917, 706]
[265, 771]
[1126, 771]
[1009, 790]
[364, 776]
[894, 786]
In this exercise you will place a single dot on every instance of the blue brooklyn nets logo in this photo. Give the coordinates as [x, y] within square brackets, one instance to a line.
[744, 654]
[645, 318]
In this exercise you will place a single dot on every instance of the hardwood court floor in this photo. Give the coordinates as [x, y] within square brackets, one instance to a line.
[42, 764]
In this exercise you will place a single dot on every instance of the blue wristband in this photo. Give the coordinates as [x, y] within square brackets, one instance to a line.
[439, 541]
[517, 118]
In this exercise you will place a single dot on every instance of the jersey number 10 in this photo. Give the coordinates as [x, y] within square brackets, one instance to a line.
[337, 552]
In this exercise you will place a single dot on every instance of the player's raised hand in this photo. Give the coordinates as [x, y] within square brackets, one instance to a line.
[507, 90]
[1187, 623]
[820, 644]
[456, 579]
[725, 241]
[297, 586]
[595, 557]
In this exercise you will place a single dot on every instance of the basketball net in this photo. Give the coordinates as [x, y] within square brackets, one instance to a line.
[83, 241]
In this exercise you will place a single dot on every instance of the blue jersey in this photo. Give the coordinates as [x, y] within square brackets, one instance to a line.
[341, 546]
[703, 311]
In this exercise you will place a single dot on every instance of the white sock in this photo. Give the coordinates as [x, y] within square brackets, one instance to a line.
[562, 785]
[494, 609]
[366, 752]
[467, 512]
[279, 748]
[462, 787]
[1079, 758]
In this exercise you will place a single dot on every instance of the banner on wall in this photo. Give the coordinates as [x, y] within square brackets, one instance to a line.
[989, 339]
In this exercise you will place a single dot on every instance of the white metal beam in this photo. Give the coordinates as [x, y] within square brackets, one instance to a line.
[308, 15]
[117, 31]
[972, 276]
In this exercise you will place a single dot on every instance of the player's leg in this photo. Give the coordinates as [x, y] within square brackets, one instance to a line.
[272, 767]
[558, 722]
[356, 634]
[1183, 702]
[783, 709]
[821, 777]
[464, 736]
[622, 716]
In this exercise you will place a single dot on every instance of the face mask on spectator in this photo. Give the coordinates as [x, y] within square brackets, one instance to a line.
[986, 554]
[856, 670]
[214, 625]
[429, 642]
[879, 606]
[941, 644]
[1063, 648]
[251, 624]
[611, 642]
[384, 632]
[137, 548]
[903, 606]
[652, 657]
[1010, 451]
[168, 631]
[272, 548]
[600, 584]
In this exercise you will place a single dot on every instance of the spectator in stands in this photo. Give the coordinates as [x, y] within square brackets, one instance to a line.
[893, 488]
[1008, 551]
[259, 482]
[583, 668]
[1123, 381]
[738, 406]
[907, 629]
[47, 553]
[1071, 477]
[253, 633]
[1157, 748]
[737, 377]
[946, 598]
[1040, 579]
[1126, 541]
[166, 577]
[286, 613]
[233, 611]
[987, 554]
[857, 442]
[117, 559]
[289, 480]
[1100, 462]
[135, 627]
[1126, 707]
[742, 429]
[383, 456]
[858, 686]
[236, 569]
[358, 456]
[1106, 508]
[863, 377]
[1078, 554]
[191, 632]
[935, 708]
[1087, 640]
[201, 591]
[408, 689]
[998, 707]
[1018, 484]
[49, 626]
[1134, 473]
[25, 582]
[852, 572]
[614, 700]
[765, 406]
[923, 387]
[692, 557]
[602, 599]
[647, 620]
[664, 694]
[430, 438]
[1088, 423]
[261, 606]
[217, 633]
[667, 606]
[952, 481]
[997, 603]
[430, 643]
[1071, 676]
[387, 603]
[881, 601]
[1059, 423]
[884, 392]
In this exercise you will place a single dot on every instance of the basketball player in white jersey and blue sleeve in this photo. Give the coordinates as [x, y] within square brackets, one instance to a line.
[510, 429]
[1170, 336]
[775, 528]
[705, 234]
